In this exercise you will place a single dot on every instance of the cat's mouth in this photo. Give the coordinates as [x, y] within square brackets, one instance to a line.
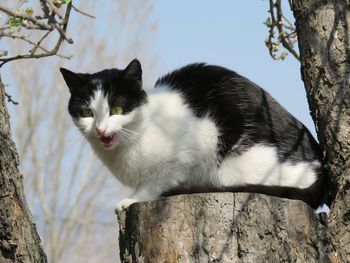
[108, 141]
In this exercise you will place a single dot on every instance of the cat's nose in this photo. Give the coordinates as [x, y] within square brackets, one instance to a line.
[101, 132]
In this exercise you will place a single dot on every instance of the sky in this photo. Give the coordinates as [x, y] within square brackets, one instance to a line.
[226, 33]
[230, 34]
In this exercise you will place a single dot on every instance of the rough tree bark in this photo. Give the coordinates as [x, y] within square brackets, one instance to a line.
[19, 241]
[324, 43]
[256, 228]
[222, 227]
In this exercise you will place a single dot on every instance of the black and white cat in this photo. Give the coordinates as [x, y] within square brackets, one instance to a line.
[202, 128]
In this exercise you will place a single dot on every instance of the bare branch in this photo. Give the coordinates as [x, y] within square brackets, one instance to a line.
[52, 52]
[9, 99]
[286, 44]
[22, 15]
[60, 30]
[285, 29]
[83, 13]
[36, 45]
[54, 9]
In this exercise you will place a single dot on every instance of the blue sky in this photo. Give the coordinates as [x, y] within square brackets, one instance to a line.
[231, 34]
[227, 33]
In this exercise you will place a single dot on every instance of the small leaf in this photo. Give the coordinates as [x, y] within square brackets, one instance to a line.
[14, 21]
[65, 1]
[3, 53]
[284, 55]
[267, 22]
[29, 11]
[276, 46]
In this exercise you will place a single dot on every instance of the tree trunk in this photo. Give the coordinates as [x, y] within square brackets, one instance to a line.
[324, 43]
[222, 227]
[19, 241]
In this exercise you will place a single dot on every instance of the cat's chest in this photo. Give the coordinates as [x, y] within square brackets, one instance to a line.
[132, 164]
[165, 148]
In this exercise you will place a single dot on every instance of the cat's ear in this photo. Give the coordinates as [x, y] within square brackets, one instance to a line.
[133, 70]
[73, 80]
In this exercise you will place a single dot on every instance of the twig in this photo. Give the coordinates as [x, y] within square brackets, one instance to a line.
[35, 21]
[4, 27]
[9, 99]
[32, 52]
[62, 32]
[285, 38]
[54, 9]
[83, 13]
[284, 41]
[36, 45]
[46, 54]
[23, 38]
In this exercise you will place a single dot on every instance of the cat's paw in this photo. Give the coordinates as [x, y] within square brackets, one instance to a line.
[123, 204]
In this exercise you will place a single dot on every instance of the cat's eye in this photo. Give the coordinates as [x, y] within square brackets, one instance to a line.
[116, 111]
[87, 113]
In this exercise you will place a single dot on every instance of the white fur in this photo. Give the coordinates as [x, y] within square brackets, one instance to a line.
[167, 145]
[260, 165]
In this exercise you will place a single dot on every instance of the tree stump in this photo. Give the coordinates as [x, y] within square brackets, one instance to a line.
[222, 227]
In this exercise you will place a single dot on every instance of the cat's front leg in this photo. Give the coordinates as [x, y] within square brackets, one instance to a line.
[141, 194]
[125, 203]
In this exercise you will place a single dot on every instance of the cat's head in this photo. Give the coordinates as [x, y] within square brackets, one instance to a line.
[103, 105]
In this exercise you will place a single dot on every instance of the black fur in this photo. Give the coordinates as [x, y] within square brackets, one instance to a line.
[314, 195]
[124, 87]
[245, 113]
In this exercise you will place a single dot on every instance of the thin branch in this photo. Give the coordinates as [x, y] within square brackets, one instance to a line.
[4, 27]
[35, 21]
[269, 42]
[284, 41]
[52, 52]
[290, 25]
[54, 9]
[9, 99]
[62, 32]
[37, 45]
[286, 32]
[81, 12]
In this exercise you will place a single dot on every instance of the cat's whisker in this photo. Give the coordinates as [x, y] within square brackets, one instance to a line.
[133, 135]
[122, 137]
[127, 137]
[131, 131]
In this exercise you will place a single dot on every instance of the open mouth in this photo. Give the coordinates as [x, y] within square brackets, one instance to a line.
[108, 141]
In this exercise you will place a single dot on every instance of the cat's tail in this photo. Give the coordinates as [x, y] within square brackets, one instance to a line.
[314, 195]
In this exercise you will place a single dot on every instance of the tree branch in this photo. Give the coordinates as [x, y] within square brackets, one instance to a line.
[286, 32]
[285, 41]
[55, 24]
[83, 13]
[14, 13]
[9, 99]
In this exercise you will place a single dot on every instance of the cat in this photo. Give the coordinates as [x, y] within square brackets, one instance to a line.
[201, 128]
